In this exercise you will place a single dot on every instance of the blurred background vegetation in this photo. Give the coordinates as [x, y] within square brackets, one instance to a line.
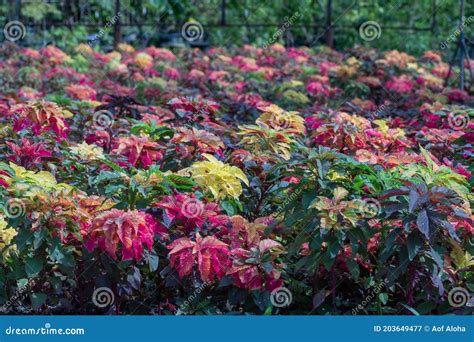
[407, 25]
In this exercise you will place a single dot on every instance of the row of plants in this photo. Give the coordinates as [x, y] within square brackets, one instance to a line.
[250, 181]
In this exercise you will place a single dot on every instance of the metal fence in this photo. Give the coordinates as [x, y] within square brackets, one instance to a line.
[80, 12]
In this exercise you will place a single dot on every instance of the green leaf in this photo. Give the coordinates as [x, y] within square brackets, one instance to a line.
[355, 247]
[7, 168]
[38, 299]
[33, 266]
[429, 162]
[409, 308]
[383, 298]
[426, 307]
[21, 282]
[316, 242]
[294, 247]
[113, 166]
[39, 238]
[22, 239]
[228, 207]
[105, 176]
[389, 244]
[353, 268]
[268, 311]
[404, 261]
[330, 255]
[162, 132]
[307, 198]
[182, 183]
[327, 260]
[333, 247]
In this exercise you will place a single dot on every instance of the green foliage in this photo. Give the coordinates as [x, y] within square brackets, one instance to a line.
[350, 15]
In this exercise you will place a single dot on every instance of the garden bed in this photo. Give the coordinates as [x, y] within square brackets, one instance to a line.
[256, 181]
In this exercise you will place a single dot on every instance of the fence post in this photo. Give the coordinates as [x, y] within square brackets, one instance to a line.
[14, 10]
[117, 34]
[329, 28]
[67, 8]
[462, 47]
[223, 23]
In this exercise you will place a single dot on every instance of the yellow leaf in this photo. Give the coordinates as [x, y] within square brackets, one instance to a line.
[222, 180]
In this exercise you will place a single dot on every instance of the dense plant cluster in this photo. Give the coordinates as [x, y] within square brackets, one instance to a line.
[411, 26]
[202, 182]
